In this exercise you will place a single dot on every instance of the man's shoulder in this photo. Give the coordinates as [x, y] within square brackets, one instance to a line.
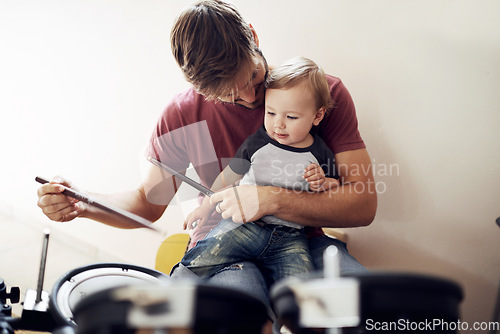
[189, 98]
[333, 79]
[335, 83]
[190, 106]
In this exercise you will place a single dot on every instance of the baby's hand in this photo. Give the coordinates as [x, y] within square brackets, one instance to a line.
[317, 180]
[315, 176]
[199, 215]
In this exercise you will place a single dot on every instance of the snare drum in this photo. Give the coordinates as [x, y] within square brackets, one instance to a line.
[172, 307]
[369, 302]
[87, 280]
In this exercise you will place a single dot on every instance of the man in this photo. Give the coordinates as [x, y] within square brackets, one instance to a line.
[218, 53]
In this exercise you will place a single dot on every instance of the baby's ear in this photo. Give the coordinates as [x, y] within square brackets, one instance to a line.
[319, 115]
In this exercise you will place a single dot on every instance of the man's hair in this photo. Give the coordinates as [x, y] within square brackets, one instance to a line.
[212, 44]
[296, 70]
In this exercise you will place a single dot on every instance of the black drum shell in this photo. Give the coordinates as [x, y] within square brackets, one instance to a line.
[385, 297]
[216, 310]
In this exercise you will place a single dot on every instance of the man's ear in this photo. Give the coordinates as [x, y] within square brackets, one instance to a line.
[254, 33]
[320, 114]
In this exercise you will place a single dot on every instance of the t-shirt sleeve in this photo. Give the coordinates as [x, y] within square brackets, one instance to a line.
[339, 128]
[168, 140]
[240, 163]
[326, 158]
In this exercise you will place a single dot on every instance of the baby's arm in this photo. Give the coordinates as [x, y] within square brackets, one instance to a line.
[201, 214]
[225, 179]
[317, 180]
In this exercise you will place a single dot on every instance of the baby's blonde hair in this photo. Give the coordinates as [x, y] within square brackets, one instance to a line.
[296, 70]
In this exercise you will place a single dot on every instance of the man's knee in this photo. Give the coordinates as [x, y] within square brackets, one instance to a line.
[347, 262]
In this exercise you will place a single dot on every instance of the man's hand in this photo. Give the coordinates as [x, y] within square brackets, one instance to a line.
[242, 204]
[55, 205]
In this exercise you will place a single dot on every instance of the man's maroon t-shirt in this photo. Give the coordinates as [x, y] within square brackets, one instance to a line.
[207, 134]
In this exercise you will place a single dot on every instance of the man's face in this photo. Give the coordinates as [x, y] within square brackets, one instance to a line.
[249, 91]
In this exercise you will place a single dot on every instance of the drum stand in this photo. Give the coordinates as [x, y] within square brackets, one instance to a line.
[363, 302]
[35, 315]
[6, 310]
[496, 310]
[317, 300]
[152, 304]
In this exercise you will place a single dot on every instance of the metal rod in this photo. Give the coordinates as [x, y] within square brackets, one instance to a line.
[43, 261]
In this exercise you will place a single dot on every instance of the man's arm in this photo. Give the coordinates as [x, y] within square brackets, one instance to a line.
[148, 201]
[351, 204]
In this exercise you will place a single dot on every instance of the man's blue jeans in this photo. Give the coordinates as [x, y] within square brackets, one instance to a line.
[279, 251]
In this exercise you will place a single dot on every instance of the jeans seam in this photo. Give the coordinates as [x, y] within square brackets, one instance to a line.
[268, 244]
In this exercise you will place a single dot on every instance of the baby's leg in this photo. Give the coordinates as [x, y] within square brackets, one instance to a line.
[215, 253]
[287, 254]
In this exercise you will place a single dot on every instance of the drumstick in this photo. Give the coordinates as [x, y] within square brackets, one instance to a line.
[136, 220]
[182, 177]
[186, 179]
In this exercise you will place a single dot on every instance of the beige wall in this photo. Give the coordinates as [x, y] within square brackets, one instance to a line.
[82, 83]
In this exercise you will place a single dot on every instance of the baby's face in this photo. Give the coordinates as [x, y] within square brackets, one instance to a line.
[290, 115]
